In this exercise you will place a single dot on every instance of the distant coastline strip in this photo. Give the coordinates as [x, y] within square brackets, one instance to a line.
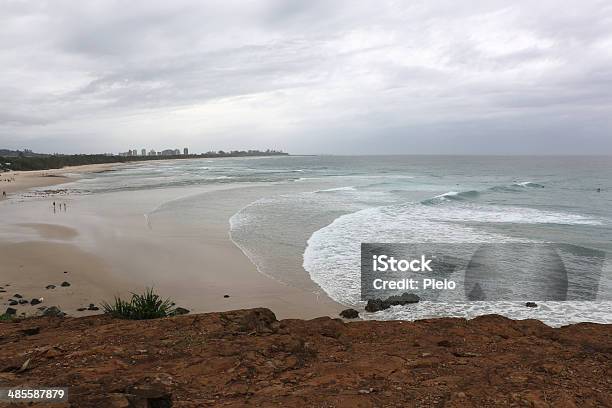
[34, 161]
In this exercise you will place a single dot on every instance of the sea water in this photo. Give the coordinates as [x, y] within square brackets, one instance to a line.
[307, 228]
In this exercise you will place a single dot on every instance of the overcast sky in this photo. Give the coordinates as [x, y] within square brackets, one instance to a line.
[307, 76]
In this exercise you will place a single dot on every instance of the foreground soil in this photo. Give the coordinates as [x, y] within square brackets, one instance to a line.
[248, 358]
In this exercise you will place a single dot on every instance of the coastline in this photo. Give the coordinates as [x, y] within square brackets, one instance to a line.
[23, 180]
[40, 245]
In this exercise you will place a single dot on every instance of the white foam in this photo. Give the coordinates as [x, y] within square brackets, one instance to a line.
[528, 184]
[554, 314]
[332, 256]
[347, 188]
[446, 195]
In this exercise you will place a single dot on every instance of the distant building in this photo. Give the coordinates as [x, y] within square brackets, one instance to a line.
[143, 152]
[159, 153]
[186, 151]
[168, 152]
[152, 153]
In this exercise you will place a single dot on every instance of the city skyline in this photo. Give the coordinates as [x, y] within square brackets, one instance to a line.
[153, 152]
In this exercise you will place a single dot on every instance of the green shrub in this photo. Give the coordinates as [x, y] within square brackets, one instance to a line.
[6, 317]
[148, 305]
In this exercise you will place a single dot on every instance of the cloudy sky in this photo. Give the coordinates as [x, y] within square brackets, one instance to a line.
[311, 76]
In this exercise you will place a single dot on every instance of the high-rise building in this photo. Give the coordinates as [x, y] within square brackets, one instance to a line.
[185, 151]
[143, 152]
[152, 152]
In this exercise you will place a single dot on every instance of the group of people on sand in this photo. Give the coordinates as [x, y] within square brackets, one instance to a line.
[60, 206]
[7, 180]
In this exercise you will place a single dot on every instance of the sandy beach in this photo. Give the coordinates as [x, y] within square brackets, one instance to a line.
[47, 258]
[16, 181]
[104, 247]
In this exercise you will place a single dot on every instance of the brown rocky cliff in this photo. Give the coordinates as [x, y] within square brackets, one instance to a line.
[247, 358]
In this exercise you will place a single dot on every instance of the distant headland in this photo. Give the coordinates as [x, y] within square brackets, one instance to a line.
[28, 160]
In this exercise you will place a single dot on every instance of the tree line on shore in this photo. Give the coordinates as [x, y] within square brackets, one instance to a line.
[24, 162]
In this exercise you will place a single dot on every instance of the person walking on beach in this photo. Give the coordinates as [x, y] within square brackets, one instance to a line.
[4, 194]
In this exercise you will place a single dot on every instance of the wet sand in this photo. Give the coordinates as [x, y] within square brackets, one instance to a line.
[29, 267]
[108, 248]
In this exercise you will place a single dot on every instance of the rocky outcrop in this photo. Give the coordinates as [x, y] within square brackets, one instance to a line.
[53, 311]
[10, 311]
[349, 314]
[180, 311]
[376, 305]
[249, 358]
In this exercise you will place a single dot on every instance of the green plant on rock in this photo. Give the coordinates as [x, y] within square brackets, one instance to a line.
[148, 305]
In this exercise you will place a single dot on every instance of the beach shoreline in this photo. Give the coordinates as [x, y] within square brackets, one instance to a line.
[210, 275]
[13, 182]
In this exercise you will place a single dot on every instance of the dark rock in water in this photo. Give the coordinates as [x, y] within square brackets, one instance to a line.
[349, 314]
[65, 271]
[31, 331]
[53, 311]
[404, 299]
[42, 308]
[65, 284]
[92, 307]
[531, 304]
[10, 311]
[23, 301]
[50, 287]
[180, 311]
[226, 296]
[81, 309]
[17, 295]
[13, 302]
[35, 302]
[376, 305]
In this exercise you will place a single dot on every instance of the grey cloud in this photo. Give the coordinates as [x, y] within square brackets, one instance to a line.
[305, 76]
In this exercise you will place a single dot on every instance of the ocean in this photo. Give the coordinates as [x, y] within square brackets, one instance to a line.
[307, 229]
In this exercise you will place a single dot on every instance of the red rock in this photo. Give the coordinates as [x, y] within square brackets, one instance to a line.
[247, 357]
